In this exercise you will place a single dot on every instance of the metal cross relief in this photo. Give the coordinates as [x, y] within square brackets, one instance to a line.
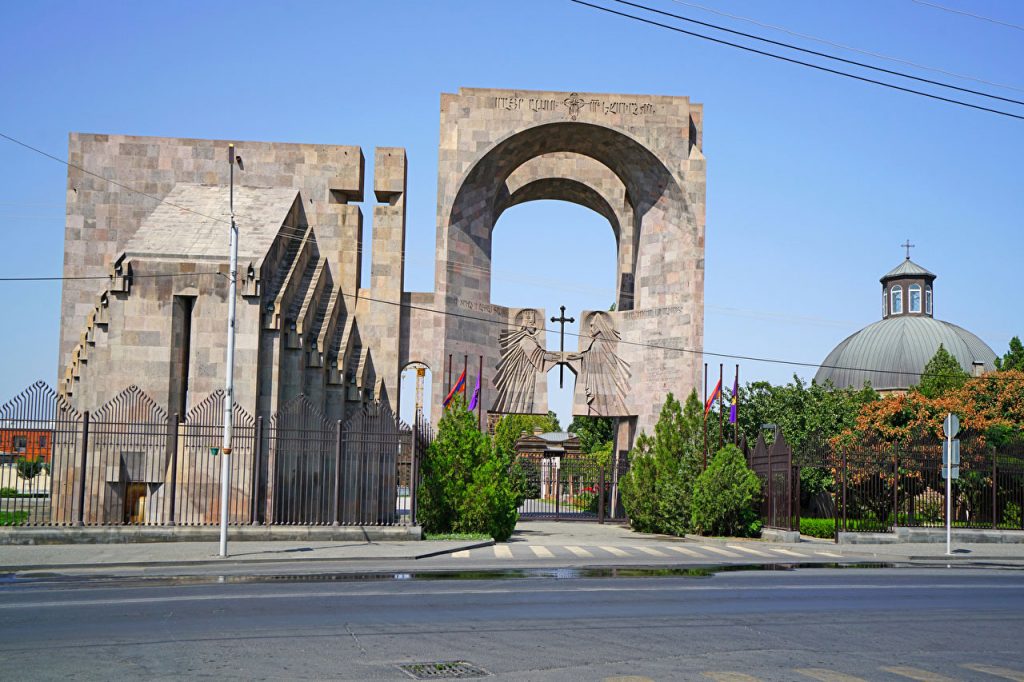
[908, 246]
[562, 319]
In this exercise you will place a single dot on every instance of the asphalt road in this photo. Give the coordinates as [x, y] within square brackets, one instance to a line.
[826, 624]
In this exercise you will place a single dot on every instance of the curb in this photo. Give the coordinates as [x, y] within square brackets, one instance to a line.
[92, 535]
[441, 552]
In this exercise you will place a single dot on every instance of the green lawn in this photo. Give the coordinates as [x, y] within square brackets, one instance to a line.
[15, 518]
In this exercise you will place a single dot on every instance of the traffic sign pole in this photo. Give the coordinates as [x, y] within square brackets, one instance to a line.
[950, 427]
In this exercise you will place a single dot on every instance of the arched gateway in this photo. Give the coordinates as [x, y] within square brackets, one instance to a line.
[310, 324]
[637, 161]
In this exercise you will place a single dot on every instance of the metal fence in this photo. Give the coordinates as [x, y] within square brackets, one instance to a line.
[876, 486]
[130, 463]
[570, 487]
[880, 486]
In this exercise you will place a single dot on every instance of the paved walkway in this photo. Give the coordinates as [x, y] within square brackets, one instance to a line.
[535, 543]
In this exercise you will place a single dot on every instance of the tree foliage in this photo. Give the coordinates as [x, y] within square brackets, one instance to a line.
[724, 496]
[466, 484]
[594, 432]
[942, 374]
[658, 489]
[1014, 358]
[990, 407]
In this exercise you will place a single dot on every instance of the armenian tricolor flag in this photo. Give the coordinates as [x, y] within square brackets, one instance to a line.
[459, 387]
[712, 398]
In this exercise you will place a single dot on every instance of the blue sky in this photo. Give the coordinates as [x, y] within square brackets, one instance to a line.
[813, 180]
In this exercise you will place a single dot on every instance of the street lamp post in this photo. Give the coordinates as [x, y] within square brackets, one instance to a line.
[229, 384]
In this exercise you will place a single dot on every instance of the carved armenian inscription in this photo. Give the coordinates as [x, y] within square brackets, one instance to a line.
[573, 105]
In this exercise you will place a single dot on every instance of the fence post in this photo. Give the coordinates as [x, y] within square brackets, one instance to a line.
[172, 441]
[895, 486]
[600, 492]
[338, 446]
[82, 462]
[414, 470]
[995, 491]
[257, 468]
[845, 528]
[771, 496]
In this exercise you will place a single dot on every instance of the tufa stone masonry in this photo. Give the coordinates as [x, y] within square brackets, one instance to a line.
[306, 326]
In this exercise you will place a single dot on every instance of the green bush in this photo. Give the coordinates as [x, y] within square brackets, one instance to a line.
[818, 528]
[658, 489]
[15, 518]
[466, 485]
[724, 496]
[8, 492]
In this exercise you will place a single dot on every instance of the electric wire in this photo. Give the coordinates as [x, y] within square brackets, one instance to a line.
[850, 48]
[818, 53]
[795, 363]
[972, 15]
[791, 60]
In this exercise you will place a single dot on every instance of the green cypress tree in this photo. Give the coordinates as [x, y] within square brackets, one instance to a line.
[942, 373]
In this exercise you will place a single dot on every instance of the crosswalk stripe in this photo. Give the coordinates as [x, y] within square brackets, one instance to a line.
[541, 551]
[725, 676]
[650, 550]
[831, 554]
[615, 551]
[685, 550]
[916, 673]
[995, 670]
[502, 552]
[464, 554]
[787, 552]
[578, 551]
[748, 550]
[828, 675]
[719, 550]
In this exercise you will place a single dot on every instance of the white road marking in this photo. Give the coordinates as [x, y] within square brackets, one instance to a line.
[649, 550]
[726, 676]
[502, 552]
[787, 552]
[616, 551]
[748, 550]
[995, 670]
[916, 673]
[541, 551]
[831, 554]
[687, 551]
[578, 551]
[719, 550]
[828, 675]
[464, 554]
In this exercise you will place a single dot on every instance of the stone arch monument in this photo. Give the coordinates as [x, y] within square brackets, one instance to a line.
[637, 161]
[144, 300]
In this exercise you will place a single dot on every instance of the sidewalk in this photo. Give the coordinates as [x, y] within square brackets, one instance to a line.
[535, 544]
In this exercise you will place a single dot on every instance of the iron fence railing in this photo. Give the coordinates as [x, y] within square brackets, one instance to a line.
[130, 463]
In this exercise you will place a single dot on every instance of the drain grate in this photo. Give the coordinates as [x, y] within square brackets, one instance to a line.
[443, 670]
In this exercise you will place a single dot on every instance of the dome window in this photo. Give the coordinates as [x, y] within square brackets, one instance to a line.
[928, 300]
[896, 304]
[885, 302]
[914, 294]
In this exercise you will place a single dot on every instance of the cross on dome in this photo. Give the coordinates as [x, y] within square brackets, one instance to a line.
[908, 246]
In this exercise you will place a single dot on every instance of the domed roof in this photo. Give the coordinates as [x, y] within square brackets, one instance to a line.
[907, 268]
[899, 347]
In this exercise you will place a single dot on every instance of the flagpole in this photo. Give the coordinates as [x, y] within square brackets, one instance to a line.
[465, 366]
[736, 397]
[480, 396]
[721, 410]
[705, 415]
[448, 388]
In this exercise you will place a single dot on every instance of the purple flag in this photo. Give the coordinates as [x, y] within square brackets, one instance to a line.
[735, 400]
[476, 395]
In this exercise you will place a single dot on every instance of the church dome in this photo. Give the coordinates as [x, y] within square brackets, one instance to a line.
[891, 354]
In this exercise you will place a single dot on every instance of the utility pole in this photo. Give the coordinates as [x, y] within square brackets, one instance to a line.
[229, 384]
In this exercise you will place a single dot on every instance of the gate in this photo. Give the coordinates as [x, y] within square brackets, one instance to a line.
[780, 483]
[569, 487]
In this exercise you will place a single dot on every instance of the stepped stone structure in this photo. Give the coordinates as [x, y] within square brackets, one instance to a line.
[307, 321]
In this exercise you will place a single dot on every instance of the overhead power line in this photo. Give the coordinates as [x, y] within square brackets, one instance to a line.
[818, 53]
[972, 15]
[850, 48]
[798, 62]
